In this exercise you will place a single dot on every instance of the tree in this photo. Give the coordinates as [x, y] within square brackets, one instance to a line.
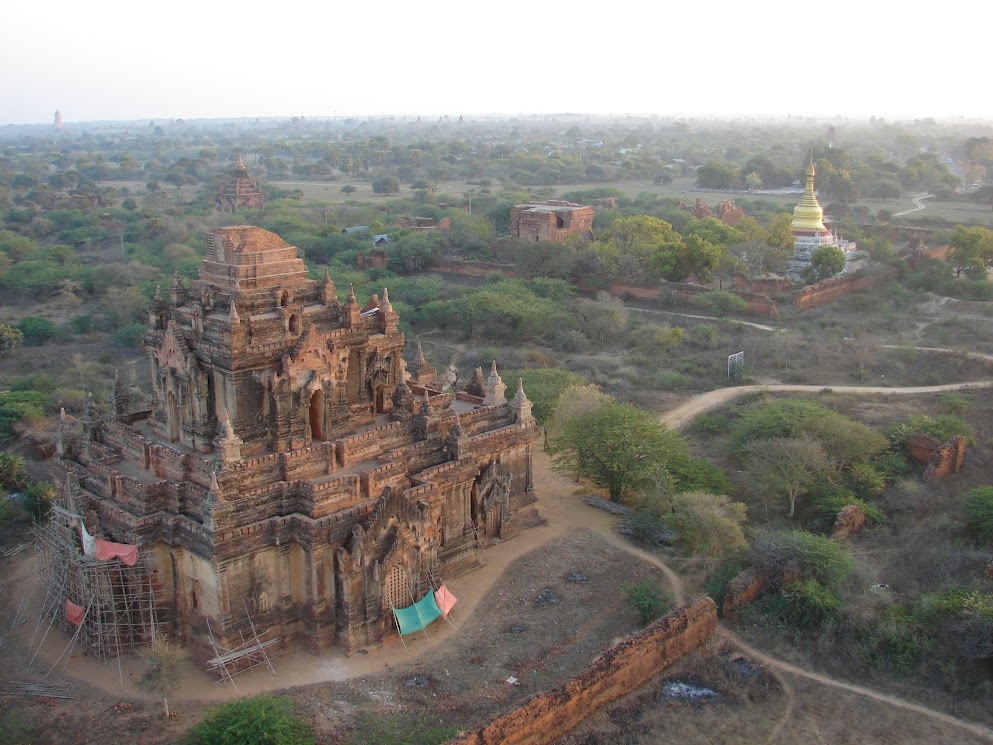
[616, 446]
[10, 338]
[696, 257]
[348, 189]
[786, 466]
[386, 183]
[163, 675]
[545, 386]
[715, 175]
[825, 261]
[573, 402]
[972, 249]
[724, 302]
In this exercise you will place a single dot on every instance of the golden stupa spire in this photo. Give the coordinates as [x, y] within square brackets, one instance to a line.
[808, 215]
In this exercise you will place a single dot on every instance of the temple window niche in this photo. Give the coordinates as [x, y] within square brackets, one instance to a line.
[317, 416]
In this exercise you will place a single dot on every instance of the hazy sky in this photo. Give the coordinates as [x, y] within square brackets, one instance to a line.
[110, 59]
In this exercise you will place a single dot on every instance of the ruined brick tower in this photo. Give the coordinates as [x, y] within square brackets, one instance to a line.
[288, 470]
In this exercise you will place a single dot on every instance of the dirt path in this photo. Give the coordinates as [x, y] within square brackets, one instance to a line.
[754, 325]
[772, 662]
[686, 412]
[917, 201]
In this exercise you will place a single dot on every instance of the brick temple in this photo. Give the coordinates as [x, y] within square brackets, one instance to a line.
[552, 221]
[291, 472]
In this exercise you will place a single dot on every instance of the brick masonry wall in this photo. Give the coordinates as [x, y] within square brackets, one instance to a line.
[831, 289]
[619, 671]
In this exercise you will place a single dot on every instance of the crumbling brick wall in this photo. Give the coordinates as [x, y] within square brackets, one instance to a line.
[747, 587]
[849, 521]
[946, 460]
[831, 289]
[622, 669]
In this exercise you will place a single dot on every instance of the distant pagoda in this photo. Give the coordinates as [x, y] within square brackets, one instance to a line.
[240, 191]
[808, 229]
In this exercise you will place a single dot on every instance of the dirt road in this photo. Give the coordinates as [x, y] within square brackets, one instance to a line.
[686, 412]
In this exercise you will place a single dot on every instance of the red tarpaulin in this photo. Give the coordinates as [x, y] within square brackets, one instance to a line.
[106, 550]
[74, 613]
[445, 600]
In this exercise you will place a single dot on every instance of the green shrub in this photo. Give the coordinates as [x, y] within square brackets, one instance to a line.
[892, 464]
[713, 423]
[20, 405]
[804, 604]
[262, 720]
[14, 730]
[41, 382]
[979, 511]
[707, 524]
[941, 428]
[37, 499]
[954, 402]
[696, 474]
[896, 642]
[37, 330]
[131, 335]
[830, 499]
[804, 555]
[865, 480]
[775, 419]
[82, 324]
[717, 581]
[650, 600]
[13, 474]
[9, 509]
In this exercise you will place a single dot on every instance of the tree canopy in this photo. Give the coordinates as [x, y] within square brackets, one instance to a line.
[616, 446]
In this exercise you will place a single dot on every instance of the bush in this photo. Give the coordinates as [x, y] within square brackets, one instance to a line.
[775, 419]
[707, 523]
[40, 382]
[37, 330]
[954, 403]
[82, 324]
[979, 511]
[804, 604]
[723, 302]
[713, 423]
[13, 474]
[803, 556]
[131, 335]
[717, 581]
[892, 464]
[830, 499]
[865, 480]
[37, 499]
[262, 720]
[18, 405]
[941, 428]
[10, 338]
[650, 600]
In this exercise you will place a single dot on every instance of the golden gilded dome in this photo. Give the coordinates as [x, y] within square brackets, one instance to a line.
[808, 215]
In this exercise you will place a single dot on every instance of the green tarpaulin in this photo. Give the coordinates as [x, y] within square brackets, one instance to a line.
[417, 616]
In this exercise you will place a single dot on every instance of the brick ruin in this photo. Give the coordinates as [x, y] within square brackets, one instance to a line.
[289, 472]
[622, 669]
[239, 192]
[945, 460]
[553, 221]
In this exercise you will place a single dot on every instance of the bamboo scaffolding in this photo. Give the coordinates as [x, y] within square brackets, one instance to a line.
[120, 602]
